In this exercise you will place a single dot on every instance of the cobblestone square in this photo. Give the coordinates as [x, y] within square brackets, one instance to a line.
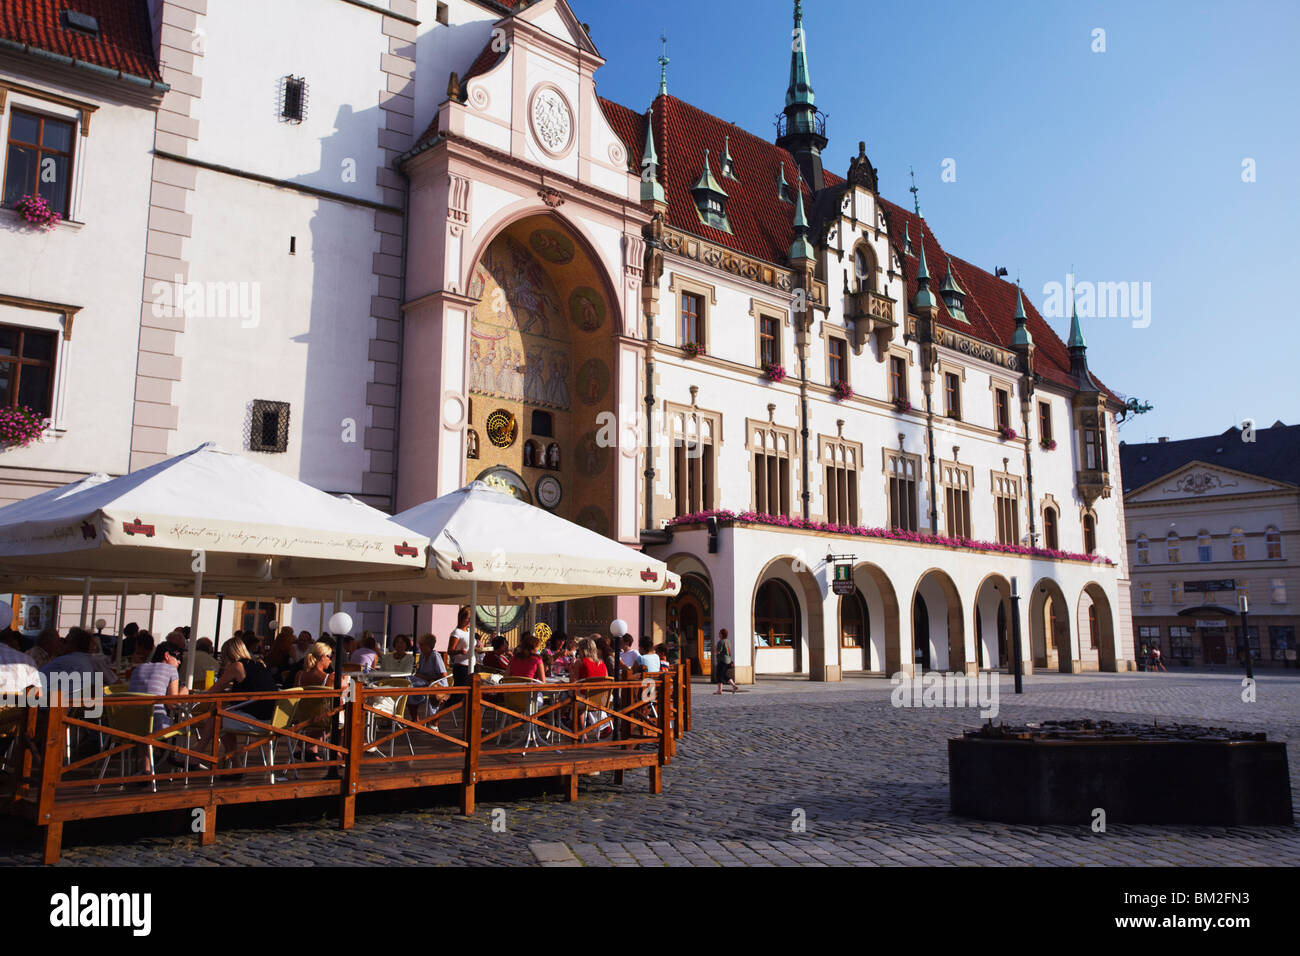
[869, 779]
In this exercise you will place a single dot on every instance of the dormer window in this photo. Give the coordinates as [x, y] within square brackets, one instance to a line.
[954, 297]
[710, 198]
[82, 23]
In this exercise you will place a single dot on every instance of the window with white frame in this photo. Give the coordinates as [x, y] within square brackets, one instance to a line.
[693, 436]
[1238, 545]
[1146, 595]
[841, 462]
[1273, 543]
[1143, 549]
[1006, 502]
[1204, 547]
[957, 483]
[772, 447]
[901, 471]
[1277, 590]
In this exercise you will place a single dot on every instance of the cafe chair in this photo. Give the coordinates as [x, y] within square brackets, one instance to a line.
[137, 721]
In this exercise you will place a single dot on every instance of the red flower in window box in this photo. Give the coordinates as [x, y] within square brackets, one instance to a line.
[843, 390]
[693, 349]
[36, 210]
[20, 426]
[1049, 444]
[902, 404]
[1009, 434]
[774, 372]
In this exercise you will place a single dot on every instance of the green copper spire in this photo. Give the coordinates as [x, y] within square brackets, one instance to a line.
[651, 189]
[916, 194]
[1076, 330]
[1021, 336]
[800, 91]
[924, 298]
[781, 184]
[663, 66]
[801, 248]
[907, 239]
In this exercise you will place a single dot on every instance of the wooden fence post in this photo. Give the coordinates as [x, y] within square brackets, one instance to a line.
[473, 743]
[51, 767]
[665, 736]
[354, 735]
[686, 699]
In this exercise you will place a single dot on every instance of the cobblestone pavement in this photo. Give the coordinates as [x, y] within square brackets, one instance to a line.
[870, 779]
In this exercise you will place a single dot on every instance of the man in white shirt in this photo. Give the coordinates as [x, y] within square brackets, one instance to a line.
[628, 657]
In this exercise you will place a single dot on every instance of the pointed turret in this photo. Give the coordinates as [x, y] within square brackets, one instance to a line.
[651, 189]
[924, 298]
[801, 248]
[1021, 336]
[663, 66]
[801, 128]
[728, 165]
[1079, 354]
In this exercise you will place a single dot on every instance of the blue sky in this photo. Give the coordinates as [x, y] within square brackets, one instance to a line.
[1126, 163]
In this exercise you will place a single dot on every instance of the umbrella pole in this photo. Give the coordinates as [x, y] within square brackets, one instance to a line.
[473, 628]
[335, 735]
[194, 629]
[388, 628]
[217, 630]
[320, 631]
[121, 625]
[152, 599]
[85, 601]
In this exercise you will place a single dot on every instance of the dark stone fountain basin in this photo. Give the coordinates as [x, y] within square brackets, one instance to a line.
[1061, 771]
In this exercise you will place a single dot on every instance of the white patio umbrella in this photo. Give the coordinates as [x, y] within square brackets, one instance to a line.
[205, 520]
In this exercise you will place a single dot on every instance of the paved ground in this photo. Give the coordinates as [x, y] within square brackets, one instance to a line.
[869, 780]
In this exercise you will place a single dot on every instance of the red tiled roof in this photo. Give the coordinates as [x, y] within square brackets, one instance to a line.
[762, 225]
[124, 43]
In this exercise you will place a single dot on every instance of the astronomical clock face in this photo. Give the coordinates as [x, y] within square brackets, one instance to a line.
[548, 491]
[552, 121]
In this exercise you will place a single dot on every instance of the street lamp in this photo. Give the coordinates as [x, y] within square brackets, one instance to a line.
[1015, 634]
[1244, 603]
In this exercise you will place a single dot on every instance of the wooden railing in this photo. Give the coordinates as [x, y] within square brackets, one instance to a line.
[56, 759]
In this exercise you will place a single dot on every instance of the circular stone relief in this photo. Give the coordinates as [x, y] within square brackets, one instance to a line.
[552, 120]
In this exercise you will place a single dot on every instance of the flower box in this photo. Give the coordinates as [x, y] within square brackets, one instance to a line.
[902, 405]
[20, 426]
[774, 372]
[1008, 434]
[725, 516]
[37, 212]
[693, 349]
[843, 391]
[1049, 445]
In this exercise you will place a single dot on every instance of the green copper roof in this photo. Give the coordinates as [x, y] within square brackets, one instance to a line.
[728, 165]
[781, 184]
[800, 91]
[1076, 330]
[924, 298]
[949, 283]
[907, 237]
[663, 66]
[1021, 336]
[801, 248]
[706, 180]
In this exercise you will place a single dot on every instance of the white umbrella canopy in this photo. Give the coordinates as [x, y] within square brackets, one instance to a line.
[513, 551]
[258, 531]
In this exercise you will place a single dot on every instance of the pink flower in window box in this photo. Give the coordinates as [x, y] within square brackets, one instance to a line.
[1009, 434]
[774, 372]
[20, 426]
[36, 210]
[843, 390]
[693, 349]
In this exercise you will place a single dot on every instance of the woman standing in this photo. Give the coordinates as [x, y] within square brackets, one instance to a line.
[459, 647]
[724, 670]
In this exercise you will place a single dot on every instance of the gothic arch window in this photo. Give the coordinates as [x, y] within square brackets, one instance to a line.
[1089, 534]
[855, 624]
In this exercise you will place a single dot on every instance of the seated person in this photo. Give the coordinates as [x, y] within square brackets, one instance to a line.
[204, 661]
[589, 664]
[498, 659]
[244, 674]
[400, 658]
[161, 676]
[648, 662]
[367, 655]
[527, 662]
[143, 651]
[79, 658]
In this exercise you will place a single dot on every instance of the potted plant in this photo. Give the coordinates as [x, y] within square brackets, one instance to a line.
[1048, 444]
[843, 390]
[20, 426]
[693, 349]
[37, 211]
[774, 372]
[1009, 434]
[902, 405]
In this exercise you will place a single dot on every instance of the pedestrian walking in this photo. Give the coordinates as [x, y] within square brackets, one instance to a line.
[1156, 662]
[724, 670]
